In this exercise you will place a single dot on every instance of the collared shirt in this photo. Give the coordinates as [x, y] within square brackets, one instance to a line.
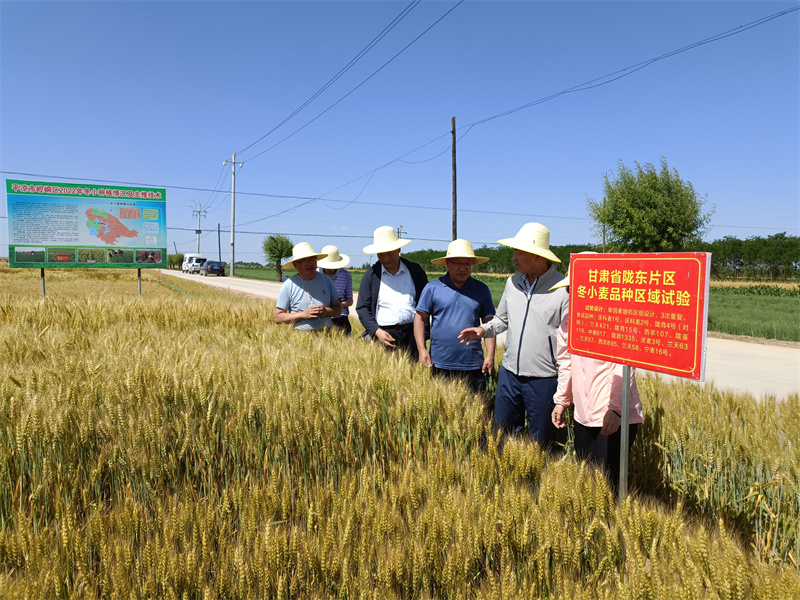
[453, 309]
[529, 287]
[297, 294]
[396, 298]
[343, 282]
[592, 385]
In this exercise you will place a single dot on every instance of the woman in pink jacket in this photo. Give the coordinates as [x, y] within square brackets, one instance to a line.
[595, 388]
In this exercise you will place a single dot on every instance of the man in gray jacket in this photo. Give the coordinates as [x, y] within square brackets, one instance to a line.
[530, 314]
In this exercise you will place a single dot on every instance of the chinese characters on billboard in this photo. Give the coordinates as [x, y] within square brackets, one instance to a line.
[63, 225]
[643, 310]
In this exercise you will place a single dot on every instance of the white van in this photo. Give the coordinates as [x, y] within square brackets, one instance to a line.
[192, 263]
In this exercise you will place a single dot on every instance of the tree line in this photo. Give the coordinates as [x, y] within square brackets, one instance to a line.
[772, 258]
[775, 257]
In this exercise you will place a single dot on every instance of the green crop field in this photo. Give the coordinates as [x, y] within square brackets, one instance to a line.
[182, 445]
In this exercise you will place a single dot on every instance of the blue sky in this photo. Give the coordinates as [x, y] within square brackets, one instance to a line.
[161, 93]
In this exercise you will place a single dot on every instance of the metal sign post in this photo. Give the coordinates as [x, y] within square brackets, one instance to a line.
[624, 434]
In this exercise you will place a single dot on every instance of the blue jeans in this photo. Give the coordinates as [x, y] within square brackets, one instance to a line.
[519, 396]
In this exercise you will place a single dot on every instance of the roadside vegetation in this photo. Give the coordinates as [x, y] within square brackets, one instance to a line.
[181, 445]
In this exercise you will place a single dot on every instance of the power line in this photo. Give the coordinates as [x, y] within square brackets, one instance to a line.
[580, 87]
[347, 202]
[343, 70]
[597, 82]
[215, 195]
[616, 75]
[296, 131]
[325, 235]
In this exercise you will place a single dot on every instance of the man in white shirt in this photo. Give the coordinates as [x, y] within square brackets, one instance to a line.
[388, 294]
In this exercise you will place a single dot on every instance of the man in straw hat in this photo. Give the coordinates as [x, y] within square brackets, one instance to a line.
[455, 301]
[595, 388]
[307, 300]
[333, 266]
[388, 294]
[530, 313]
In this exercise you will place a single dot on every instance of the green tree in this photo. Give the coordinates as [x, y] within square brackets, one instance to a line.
[276, 248]
[648, 211]
[174, 260]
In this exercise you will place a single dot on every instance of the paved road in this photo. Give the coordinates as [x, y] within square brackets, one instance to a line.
[733, 365]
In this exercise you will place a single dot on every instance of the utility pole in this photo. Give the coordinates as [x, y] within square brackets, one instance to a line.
[400, 231]
[219, 244]
[233, 205]
[455, 204]
[200, 212]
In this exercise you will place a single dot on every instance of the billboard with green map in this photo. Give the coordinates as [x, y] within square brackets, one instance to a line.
[66, 225]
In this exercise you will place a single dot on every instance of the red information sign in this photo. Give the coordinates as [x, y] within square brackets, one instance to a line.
[642, 310]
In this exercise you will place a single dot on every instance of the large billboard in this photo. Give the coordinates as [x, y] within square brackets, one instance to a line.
[643, 310]
[66, 225]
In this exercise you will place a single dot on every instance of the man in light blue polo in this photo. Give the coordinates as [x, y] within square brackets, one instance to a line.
[309, 299]
[454, 302]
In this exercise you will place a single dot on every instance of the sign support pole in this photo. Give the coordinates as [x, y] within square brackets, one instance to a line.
[624, 433]
[139, 271]
[42, 282]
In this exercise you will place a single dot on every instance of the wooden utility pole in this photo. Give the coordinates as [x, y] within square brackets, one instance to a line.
[455, 204]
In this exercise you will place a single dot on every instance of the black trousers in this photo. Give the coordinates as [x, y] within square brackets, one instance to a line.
[403, 339]
[343, 323]
[475, 379]
[602, 450]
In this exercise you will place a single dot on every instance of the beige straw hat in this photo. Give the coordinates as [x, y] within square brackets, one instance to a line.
[301, 251]
[459, 249]
[384, 239]
[334, 260]
[533, 238]
[565, 282]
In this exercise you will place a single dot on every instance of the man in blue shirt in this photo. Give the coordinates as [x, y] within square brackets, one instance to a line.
[333, 266]
[307, 300]
[454, 302]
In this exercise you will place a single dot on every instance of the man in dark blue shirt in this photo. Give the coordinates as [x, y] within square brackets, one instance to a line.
[454, 302]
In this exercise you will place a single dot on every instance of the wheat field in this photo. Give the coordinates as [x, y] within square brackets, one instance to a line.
[182, 445]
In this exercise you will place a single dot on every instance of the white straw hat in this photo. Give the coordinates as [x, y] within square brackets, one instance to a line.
[533, 238]
[565, 282]
[459, 249]
[301, 251]
[334, 260]
[384, 239]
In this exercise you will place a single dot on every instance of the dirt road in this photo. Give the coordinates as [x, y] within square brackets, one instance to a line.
[734, 365]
